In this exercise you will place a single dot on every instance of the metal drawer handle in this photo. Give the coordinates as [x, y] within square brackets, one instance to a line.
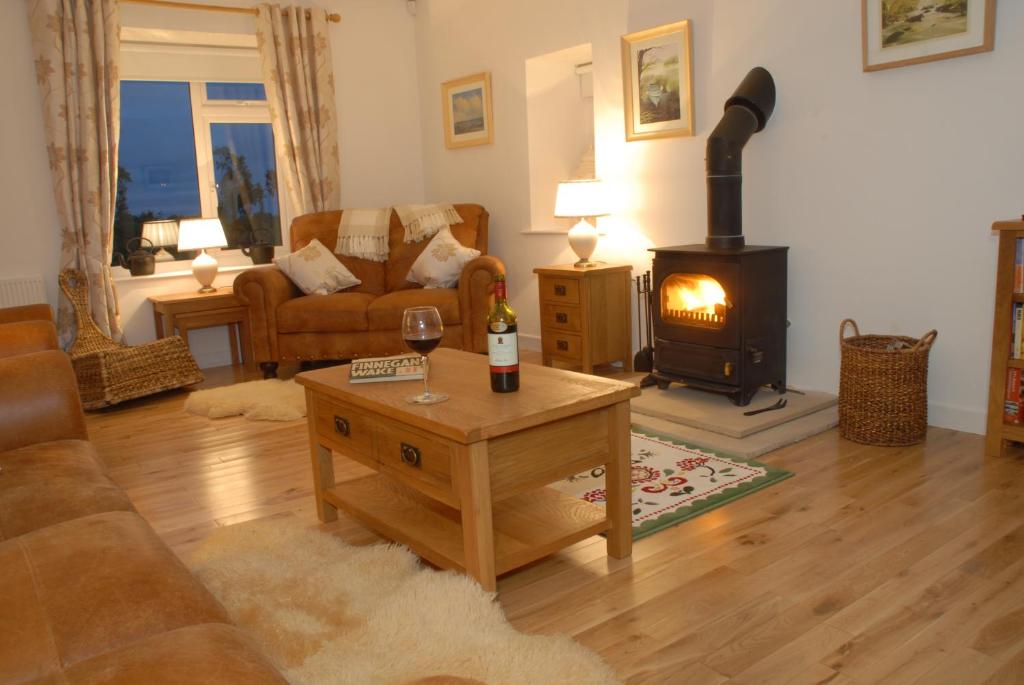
[563, 345]
[560, 290]
[341, 425]
[410, 455]
[562, 317]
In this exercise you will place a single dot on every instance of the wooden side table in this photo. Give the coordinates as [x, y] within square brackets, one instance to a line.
[586, 315]
[184, 312]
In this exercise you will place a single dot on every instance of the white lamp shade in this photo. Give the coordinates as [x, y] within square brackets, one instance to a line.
[198, 234]
[581, 198]
[161, 233]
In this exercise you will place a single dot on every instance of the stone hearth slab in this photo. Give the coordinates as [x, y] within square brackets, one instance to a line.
[715, 413]
[751, 446]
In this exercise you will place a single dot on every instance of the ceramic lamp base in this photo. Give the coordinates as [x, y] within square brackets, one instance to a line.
[204, 268]
[583, 241]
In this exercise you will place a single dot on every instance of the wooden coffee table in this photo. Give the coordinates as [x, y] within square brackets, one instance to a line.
[461, 482]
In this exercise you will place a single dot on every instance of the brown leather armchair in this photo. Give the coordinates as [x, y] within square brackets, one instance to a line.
[365, 321]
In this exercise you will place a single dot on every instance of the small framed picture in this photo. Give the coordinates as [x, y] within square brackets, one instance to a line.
[467, 111]
[895, 33]
[657, 79]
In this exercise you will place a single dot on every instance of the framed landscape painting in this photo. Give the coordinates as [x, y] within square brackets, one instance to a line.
[467, 111]
[657, 80]
[895, 33]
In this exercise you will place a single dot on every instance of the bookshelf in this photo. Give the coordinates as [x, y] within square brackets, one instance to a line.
[999, 432]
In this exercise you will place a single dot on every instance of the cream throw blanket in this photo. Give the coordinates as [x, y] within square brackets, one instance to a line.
[423, 221]
[364, 233]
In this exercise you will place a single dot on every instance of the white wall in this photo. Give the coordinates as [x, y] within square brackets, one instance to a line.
[883, 185]
[29, 241]
[560, 123]
[378, 105]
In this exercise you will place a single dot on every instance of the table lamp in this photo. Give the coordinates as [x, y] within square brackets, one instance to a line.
[199, 234]
[161, 233]
[582, 199]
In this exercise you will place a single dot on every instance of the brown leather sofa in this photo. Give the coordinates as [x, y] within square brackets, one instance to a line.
[88, 592]
[365, 321]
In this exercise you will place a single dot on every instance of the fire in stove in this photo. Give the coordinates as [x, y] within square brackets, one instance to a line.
[694, 300]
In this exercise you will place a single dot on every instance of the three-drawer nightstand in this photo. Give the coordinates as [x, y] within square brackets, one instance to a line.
[586, 315]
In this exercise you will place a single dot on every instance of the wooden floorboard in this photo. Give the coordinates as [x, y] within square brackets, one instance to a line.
[896, 565]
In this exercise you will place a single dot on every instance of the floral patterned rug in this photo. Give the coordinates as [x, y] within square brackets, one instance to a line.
[673, 482]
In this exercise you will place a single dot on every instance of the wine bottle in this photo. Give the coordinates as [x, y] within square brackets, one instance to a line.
[502, 341]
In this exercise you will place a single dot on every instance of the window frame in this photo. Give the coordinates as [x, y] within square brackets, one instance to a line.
[206, 112]
[205, 45]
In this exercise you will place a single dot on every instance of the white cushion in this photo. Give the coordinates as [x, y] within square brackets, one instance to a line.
[441, 263]
[315, 270]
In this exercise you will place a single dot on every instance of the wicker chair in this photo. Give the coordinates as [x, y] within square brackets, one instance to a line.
[109, 372]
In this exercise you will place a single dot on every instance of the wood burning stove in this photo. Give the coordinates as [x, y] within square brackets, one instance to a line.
[720, 318]
[719, 309]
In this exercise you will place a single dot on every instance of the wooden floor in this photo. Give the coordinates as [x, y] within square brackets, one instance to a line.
[872, 565]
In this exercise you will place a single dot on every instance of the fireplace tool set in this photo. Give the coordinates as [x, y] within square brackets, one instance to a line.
[643, 360]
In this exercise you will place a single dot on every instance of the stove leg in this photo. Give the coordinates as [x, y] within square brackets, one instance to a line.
[650, 380]
[741, 398]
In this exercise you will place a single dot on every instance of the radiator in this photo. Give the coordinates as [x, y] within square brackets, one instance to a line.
[18, 291]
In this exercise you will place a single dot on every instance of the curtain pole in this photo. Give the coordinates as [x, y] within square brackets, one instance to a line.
[332, 17]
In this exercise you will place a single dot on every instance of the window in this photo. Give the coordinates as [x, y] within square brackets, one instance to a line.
[156, 167]
[235, 91]
[192, 149]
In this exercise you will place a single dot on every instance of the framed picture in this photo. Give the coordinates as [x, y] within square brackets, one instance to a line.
[895, 33]
[467, 111]
[657, 79]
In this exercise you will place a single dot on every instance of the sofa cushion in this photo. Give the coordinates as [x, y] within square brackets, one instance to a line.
[385, 312]
[441, 264]
[337, 313]
[316, 270]
[210, 654]
[401, 255]
[323, 226]
[51, 482]
[78, 589]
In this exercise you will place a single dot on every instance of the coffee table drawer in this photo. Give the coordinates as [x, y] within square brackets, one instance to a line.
[344, 428]
[419, 460]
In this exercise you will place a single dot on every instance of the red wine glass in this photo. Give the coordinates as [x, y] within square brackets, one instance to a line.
[422, 330]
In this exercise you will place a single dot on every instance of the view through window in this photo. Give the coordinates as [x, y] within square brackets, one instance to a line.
[197, 149]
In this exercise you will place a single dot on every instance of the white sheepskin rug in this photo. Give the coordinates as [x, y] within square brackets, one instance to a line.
[269, 400]
[328, 612]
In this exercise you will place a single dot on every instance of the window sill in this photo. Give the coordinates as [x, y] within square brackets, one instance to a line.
[122, 274]
[552, 231]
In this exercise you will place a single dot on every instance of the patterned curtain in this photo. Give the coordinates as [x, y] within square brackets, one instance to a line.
[295, 56]
[77, 45]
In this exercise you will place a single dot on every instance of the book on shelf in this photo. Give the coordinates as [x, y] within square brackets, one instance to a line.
[404, 367]
[1018, 267]
[1012, 402]
[1018, 330]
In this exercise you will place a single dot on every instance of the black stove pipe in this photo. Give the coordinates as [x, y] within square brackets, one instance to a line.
[746, 113]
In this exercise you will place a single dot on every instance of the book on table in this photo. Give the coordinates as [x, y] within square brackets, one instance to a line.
[403, 367]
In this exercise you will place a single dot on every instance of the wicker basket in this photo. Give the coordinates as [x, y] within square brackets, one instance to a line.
[883, 387]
